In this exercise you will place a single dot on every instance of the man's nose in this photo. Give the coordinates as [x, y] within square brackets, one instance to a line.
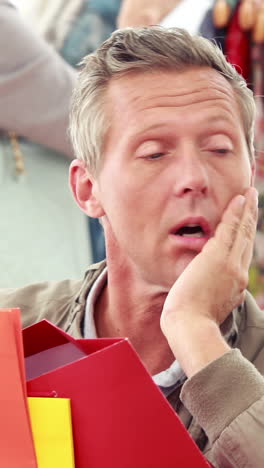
[193, 176]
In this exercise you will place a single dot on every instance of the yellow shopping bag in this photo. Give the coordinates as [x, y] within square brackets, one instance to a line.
[52, 431]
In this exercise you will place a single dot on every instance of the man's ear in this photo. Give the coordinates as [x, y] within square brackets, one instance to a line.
[85, 189]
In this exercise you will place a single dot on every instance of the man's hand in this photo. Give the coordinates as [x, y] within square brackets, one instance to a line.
[144, 12]
[210, 287]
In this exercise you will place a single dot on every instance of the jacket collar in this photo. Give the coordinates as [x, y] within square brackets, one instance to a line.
[74, 327]
[77, 311]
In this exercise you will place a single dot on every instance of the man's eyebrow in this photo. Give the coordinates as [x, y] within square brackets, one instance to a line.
[208, 121]
[155, 126]
[215, 119]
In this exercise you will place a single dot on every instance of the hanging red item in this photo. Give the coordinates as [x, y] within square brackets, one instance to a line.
[237, 47]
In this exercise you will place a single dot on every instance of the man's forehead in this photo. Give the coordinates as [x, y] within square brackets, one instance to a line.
[164, 104]
[129, 87]
[133, 97]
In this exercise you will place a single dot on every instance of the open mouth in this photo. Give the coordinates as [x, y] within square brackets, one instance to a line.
[191, 230]
[193, 227]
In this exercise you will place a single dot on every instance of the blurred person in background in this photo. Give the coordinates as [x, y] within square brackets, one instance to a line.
[42, 234]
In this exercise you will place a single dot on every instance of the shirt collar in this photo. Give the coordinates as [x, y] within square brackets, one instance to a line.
[170, 378]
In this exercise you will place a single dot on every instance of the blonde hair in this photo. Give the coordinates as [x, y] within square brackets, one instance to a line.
[143, 49]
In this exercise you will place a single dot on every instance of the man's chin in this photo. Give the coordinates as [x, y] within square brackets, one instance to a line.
[183, 262]
[176, 268]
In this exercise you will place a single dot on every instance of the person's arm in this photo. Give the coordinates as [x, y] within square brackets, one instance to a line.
[226, 398]
[35, 84]
[224, 391]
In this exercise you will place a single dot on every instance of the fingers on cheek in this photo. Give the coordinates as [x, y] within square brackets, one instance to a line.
[237, 276]
[252, 210]
[254, 201]
[248, 228]
[236, 206]
[232, 233]
[227, 233]
[254, 217]
[246, 239]
[238, 217]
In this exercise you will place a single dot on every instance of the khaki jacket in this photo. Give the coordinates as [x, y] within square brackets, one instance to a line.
[222, 406]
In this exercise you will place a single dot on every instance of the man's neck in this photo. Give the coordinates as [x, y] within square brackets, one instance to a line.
[134, 312]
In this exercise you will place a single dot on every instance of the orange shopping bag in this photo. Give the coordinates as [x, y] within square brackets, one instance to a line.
[16, 443]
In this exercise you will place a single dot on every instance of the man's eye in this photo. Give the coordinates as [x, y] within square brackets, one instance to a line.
[155, 156]
[221, 150]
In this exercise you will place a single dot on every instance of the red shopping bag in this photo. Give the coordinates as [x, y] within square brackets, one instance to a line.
[120, 418]
[16, 443]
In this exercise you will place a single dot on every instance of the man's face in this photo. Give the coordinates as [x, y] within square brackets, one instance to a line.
[174, 157]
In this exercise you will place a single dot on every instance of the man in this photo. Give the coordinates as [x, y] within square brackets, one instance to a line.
[163, 129]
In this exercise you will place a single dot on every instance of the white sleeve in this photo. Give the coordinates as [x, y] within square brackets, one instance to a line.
[35, 84]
